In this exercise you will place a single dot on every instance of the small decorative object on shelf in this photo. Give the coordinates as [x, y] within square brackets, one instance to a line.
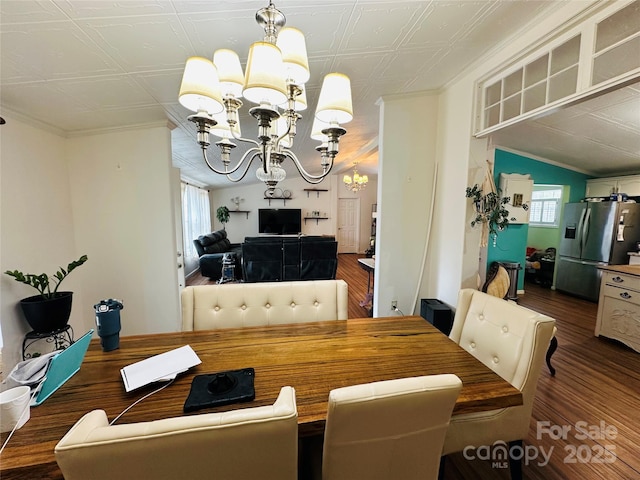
[277, 194]
[236, 201]
[315, 215]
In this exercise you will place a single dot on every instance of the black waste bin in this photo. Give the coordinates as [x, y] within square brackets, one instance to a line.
[512, 269]
[437, 313]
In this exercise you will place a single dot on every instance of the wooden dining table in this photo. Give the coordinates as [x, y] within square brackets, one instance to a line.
[314, 358]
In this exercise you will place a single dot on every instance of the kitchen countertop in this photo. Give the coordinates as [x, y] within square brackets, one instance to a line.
[628, 269]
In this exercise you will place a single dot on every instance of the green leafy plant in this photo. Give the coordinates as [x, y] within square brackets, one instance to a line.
[490, 209]
[43, 282]
[222, 214]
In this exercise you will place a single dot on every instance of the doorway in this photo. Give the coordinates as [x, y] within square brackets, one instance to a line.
[348, 225]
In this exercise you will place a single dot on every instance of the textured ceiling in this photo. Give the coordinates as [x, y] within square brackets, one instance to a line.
[79, 66]
[600, 136]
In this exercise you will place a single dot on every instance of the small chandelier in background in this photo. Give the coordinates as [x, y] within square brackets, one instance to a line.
[276, 71]
[357, 182]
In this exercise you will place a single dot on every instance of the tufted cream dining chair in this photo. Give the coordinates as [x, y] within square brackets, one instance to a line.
[512, 341]
[259, 442]
[388, 430]
[207, 307]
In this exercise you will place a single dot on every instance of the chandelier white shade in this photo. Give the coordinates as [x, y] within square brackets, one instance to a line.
[229, 72]
[274, 80]
[294, 55]
[200, 90]
[334, 104]
[264, 80]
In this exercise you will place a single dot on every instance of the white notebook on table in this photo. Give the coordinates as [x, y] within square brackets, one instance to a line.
[164, 366]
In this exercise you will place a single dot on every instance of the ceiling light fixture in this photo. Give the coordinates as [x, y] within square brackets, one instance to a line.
[357, 182]
[274, 78]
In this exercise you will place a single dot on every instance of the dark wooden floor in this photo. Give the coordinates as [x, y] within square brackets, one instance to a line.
[597, 383]
[596, 388]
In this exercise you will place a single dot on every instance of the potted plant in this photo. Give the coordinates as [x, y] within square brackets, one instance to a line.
[222, 214]
[48, 311]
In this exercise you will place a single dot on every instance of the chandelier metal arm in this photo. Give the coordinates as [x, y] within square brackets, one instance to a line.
[309, 178]
[227, 172]
[246, 169]
[235, 136]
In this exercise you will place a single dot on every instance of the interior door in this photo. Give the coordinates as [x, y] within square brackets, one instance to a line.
[348, 222]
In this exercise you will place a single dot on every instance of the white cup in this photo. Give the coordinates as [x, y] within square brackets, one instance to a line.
[14, 408]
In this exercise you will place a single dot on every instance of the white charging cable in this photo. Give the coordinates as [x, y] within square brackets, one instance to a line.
[141, 399]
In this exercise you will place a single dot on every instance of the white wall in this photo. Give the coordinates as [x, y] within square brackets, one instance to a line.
[37, 233]
[407, 159]
[240, 226]
[454, 254]
[121, 190]
[108, 196]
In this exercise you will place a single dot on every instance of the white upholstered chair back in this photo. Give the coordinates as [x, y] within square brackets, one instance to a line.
[259, 442]
[511, 340]
[207, 307]
[389, 429]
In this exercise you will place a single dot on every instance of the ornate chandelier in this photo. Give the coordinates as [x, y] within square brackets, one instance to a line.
[357, 182]
[274, 78]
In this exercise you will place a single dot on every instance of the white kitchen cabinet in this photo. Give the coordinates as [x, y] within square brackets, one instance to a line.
[519, 189]
[619, 308]
[603, 187]
[629, 185]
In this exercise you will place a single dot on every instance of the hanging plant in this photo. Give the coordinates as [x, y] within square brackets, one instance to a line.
[490, 211]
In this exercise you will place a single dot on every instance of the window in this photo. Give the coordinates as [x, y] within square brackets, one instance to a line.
[196, 219]
[545, 205]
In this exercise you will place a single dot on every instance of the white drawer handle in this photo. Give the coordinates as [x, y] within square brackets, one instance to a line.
[625, 295]
[618, 279]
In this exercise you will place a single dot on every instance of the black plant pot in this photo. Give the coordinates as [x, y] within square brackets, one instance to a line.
[45, 316]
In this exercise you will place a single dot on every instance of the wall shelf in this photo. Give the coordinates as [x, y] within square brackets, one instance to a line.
[315, 218]
[241, 211]
[317, 190]
[284, 200]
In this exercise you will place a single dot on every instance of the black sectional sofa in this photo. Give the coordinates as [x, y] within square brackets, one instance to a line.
[211, 249]
[283, 258]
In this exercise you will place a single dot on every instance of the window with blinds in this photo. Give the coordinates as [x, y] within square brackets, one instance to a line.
[544, 210]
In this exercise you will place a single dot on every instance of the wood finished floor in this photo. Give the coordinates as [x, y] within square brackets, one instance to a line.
[597, 382]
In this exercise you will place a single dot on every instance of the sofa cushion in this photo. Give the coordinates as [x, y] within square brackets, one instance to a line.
[218, 247]
[213, 237]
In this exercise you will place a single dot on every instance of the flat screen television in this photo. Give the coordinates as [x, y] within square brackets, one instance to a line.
[279, 221]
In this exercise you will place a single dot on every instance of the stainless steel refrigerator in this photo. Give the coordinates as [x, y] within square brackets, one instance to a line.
[594, 234]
